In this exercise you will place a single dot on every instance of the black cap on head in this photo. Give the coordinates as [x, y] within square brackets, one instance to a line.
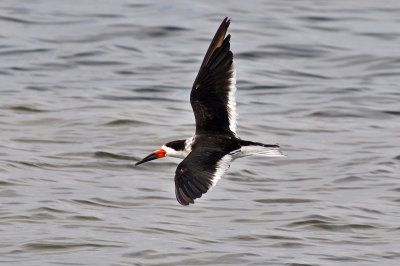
[178, 145]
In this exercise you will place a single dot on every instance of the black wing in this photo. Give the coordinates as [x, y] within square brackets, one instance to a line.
[213, 92]
[198, 172]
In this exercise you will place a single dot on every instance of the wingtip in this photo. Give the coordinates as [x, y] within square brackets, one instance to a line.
[182, 198]
[227, 21]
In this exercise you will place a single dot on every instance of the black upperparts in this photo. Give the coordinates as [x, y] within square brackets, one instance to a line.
[212, 95]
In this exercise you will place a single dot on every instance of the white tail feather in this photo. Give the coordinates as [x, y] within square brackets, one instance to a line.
[261, 151]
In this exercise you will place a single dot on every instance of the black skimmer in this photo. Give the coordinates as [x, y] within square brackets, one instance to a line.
[215, 143]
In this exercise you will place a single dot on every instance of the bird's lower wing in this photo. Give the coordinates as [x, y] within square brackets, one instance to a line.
[198, 172]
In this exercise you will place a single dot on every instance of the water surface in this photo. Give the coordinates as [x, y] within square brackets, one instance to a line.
[89, 88]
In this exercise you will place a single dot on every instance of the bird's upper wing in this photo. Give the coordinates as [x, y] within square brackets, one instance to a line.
[213, 92]
[198, 172]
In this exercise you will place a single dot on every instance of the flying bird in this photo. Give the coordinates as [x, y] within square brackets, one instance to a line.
[215, 144]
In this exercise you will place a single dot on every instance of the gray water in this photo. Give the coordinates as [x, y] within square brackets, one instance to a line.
[90, 87]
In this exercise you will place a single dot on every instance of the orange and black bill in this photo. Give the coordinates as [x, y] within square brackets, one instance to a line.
[155, 155]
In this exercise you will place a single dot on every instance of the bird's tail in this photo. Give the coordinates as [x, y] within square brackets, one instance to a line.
[260, 149]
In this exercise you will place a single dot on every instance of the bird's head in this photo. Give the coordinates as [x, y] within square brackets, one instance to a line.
[174, 148]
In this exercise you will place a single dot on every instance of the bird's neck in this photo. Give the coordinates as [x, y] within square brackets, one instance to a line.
[180, 153]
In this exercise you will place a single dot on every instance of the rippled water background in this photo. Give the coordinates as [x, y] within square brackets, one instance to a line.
[88, 88]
